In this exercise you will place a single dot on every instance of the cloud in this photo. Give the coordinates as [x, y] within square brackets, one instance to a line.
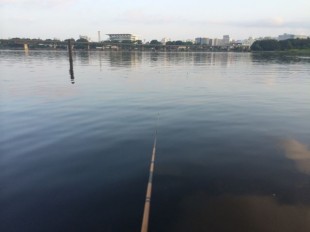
[299, 153]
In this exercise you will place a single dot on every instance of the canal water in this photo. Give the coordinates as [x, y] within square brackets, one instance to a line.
[233, 142]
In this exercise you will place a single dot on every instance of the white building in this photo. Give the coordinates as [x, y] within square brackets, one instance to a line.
[122, 37]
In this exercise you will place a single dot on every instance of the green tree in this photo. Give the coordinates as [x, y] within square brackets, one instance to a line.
[256, 46]
[81, 40]
[286, 44]
[155, 42]
[72, 40]
[266, 45]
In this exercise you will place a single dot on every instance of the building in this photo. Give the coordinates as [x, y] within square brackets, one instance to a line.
[202, 41]
[217, 42]
[286, 36]
[122, 37]
[225, 40]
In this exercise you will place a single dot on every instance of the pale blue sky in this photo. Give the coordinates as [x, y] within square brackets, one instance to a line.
[153, 19]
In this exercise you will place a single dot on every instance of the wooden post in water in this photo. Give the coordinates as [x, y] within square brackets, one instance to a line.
[70, 61]
[70, 50]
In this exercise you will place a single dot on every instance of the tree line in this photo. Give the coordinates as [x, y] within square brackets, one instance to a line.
[282, 45]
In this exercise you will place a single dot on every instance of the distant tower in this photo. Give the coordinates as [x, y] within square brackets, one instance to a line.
[99, 39]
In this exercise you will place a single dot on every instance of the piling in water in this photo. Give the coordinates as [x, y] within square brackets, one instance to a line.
[70, 61]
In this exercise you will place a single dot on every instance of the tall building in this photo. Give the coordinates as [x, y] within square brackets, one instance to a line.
[226, 40]
[122, 37]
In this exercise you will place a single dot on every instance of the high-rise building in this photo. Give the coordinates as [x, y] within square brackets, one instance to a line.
[226, 40]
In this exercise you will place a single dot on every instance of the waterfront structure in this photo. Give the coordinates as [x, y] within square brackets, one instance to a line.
[122, 37]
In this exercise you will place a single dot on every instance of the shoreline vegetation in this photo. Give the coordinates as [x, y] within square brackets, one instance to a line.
[285, 47]
[82, 44]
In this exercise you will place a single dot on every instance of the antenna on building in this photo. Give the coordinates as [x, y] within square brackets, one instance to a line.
[99, 39]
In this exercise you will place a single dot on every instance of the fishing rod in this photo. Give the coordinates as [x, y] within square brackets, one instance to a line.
[147, 204]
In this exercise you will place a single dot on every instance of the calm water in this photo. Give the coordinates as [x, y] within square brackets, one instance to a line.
[233, 148]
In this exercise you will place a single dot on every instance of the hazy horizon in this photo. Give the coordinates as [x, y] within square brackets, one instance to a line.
[182, 20]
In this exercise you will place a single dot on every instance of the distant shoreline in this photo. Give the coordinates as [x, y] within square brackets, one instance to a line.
[292, 52]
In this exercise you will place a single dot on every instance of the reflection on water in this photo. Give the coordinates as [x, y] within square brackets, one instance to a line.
[133, 59]
[76, 158]
[299, 153]
[240, 213]
[125, 59]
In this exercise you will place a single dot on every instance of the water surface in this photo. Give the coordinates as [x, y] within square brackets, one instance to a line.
[233, 145]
